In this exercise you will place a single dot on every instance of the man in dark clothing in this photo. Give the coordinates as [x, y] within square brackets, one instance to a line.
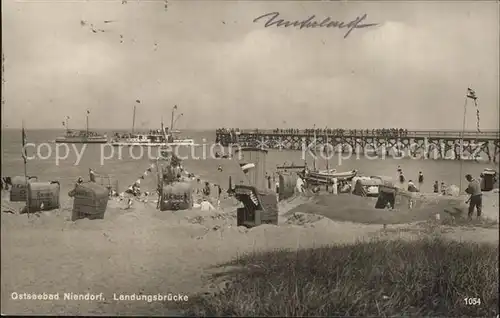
[401, 177]
[206, 189]
[436, 187]
[476, 196]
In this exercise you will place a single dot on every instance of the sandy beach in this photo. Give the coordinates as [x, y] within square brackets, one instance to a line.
[144, 251]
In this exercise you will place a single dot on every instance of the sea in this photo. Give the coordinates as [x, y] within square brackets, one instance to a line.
[65, 163]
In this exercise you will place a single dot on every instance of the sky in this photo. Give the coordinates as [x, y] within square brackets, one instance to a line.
[222, 69]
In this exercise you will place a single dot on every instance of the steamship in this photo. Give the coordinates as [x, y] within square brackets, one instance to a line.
[81, 136]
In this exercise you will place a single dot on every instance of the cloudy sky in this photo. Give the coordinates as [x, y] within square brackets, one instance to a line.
[224, 70]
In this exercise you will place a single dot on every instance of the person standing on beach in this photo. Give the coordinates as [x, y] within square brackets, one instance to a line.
[198, 183]
[206, 189]
[436, 187]
[91, 175]
[411, 188]
[476, 196]
[420, 178]
[401, 177]
[219, 190]
[443, 188]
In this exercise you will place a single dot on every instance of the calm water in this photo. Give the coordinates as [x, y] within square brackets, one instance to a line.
[127, 169]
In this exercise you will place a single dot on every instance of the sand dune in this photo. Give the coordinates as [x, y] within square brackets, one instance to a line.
[142, 250]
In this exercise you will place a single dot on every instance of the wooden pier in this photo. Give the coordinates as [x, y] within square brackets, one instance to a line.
[431, 144]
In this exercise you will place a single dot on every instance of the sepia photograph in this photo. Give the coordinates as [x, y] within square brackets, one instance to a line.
[209, 158]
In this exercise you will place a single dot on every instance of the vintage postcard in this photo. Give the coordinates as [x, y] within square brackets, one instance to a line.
[250, 158]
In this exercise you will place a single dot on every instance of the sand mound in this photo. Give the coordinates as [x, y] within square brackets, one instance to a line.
[298, 218]
[362, 210]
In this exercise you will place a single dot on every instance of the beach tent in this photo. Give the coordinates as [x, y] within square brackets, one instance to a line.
[259, 202]
[176, 196]
[288, 183]
[489, 179]
[90, 201]
[386, 196]
[367, 187]
[397, 198]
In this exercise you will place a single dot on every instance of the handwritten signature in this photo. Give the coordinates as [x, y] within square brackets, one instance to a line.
[272, 19]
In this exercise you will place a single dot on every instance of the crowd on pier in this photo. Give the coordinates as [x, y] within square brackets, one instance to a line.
[386, 132]
[229, 130]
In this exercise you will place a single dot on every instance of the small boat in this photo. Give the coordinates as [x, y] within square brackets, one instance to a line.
[291, 167]
[327, 172]
[247, 167]
[339, 175]
[327, 178]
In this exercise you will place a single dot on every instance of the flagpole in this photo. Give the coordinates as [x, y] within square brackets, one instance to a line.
[327, 152]
[327, 155]
[87, 123]
[314, 161]
[23, 142]
[462, 140]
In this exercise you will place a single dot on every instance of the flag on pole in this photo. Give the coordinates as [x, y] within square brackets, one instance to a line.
[24, 142]
[175, 107]
[88, 111]
[471, 94]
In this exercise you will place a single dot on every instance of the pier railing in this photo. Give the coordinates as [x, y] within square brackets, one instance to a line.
[485, 134]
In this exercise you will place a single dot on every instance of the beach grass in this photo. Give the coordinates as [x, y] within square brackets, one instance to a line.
[427, 277]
